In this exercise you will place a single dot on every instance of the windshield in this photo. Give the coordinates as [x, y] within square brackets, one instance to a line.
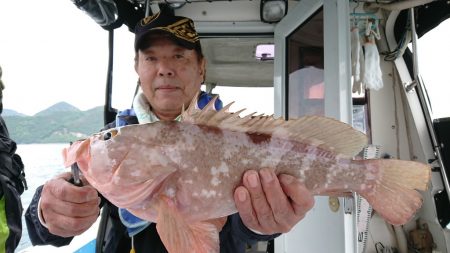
[434, 55]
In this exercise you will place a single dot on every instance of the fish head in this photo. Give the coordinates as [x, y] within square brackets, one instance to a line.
[129, 157]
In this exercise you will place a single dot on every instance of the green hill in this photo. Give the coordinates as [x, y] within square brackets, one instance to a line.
[60, 123]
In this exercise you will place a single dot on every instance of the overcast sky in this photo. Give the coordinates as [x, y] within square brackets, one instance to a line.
[50, 51]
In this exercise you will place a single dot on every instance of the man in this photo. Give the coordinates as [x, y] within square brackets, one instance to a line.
[171, 68]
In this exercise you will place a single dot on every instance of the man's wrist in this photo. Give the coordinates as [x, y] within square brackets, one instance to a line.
[39, 214]
[255, 231]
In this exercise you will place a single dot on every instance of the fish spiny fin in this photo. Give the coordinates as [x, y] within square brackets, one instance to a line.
[194, 114]
[179, 236]
[326, 133]
[394, 195]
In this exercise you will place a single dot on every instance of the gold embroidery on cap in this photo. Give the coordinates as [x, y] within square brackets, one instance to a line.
[183, 29]
[149, 19]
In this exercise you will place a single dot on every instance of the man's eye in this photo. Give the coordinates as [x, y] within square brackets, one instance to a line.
[179, 56]
[150, 58]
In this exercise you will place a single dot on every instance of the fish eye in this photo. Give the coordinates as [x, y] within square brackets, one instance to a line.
[108, 135]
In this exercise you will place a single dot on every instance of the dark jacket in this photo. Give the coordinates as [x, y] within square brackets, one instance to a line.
[12, 185]
[234, 236]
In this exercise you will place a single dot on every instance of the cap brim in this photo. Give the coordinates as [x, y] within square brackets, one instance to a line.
[138, 45]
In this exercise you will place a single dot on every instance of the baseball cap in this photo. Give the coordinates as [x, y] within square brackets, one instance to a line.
[178, 28]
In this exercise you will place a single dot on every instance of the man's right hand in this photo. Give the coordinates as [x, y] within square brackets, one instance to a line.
[68, 210]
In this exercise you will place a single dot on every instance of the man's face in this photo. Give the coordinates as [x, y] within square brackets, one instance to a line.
[170, 76]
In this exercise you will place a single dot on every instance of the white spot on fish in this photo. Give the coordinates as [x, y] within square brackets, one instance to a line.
[223, 168]
[208, 194]
[275, 155]
[195, 169]
[188, 181]
[175, 155]
[170, 192]
[155, 158]
[215, 181]
[370, 176]
[245, 161]
[302, 173]
[135, 173]
[227, 154]
[116, 179]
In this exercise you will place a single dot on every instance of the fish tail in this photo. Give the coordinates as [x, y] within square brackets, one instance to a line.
[179, 236]
[393, 194]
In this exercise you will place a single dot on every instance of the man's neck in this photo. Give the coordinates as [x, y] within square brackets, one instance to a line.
[166, 116]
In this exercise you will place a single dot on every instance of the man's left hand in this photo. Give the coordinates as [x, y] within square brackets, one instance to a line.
[270, 204]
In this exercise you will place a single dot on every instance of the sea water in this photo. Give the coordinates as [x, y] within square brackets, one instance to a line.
[42, 162]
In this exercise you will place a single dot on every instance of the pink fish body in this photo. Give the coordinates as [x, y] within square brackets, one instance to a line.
[183, 174]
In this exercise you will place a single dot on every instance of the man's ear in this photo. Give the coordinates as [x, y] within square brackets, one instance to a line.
[136, 62]
[203, 69]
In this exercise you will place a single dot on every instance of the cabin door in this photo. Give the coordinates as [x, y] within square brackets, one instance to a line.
[312, 76]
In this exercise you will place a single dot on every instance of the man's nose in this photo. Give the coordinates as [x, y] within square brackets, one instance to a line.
[165, 69]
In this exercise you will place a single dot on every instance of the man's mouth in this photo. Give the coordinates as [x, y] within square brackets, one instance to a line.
[167, 88]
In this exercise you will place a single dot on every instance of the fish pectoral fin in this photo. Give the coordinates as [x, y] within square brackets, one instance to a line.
[179, 236]
[77, 152]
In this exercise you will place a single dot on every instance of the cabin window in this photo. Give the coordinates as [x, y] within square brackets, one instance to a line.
[253, 99]
[305, 64]
[265, 52]
[434, 54]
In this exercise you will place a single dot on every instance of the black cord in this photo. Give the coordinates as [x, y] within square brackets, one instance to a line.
[381, 249]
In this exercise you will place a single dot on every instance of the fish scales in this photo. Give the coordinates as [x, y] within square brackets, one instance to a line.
[216, 159]
[183, 174]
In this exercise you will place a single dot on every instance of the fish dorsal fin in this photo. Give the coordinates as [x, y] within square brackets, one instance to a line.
[326, 133]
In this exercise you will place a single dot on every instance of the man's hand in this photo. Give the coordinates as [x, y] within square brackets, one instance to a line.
[269, 204]
[68, 210]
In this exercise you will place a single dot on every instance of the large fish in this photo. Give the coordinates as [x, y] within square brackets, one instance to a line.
[182, 175]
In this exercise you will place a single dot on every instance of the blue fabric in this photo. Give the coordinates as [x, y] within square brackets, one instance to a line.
[87, 248]
[204, 99]
[120, 117]
[134, 224]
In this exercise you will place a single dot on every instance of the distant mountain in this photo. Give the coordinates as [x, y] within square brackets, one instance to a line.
[58, 107]
[9, 112]
[60, 123]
